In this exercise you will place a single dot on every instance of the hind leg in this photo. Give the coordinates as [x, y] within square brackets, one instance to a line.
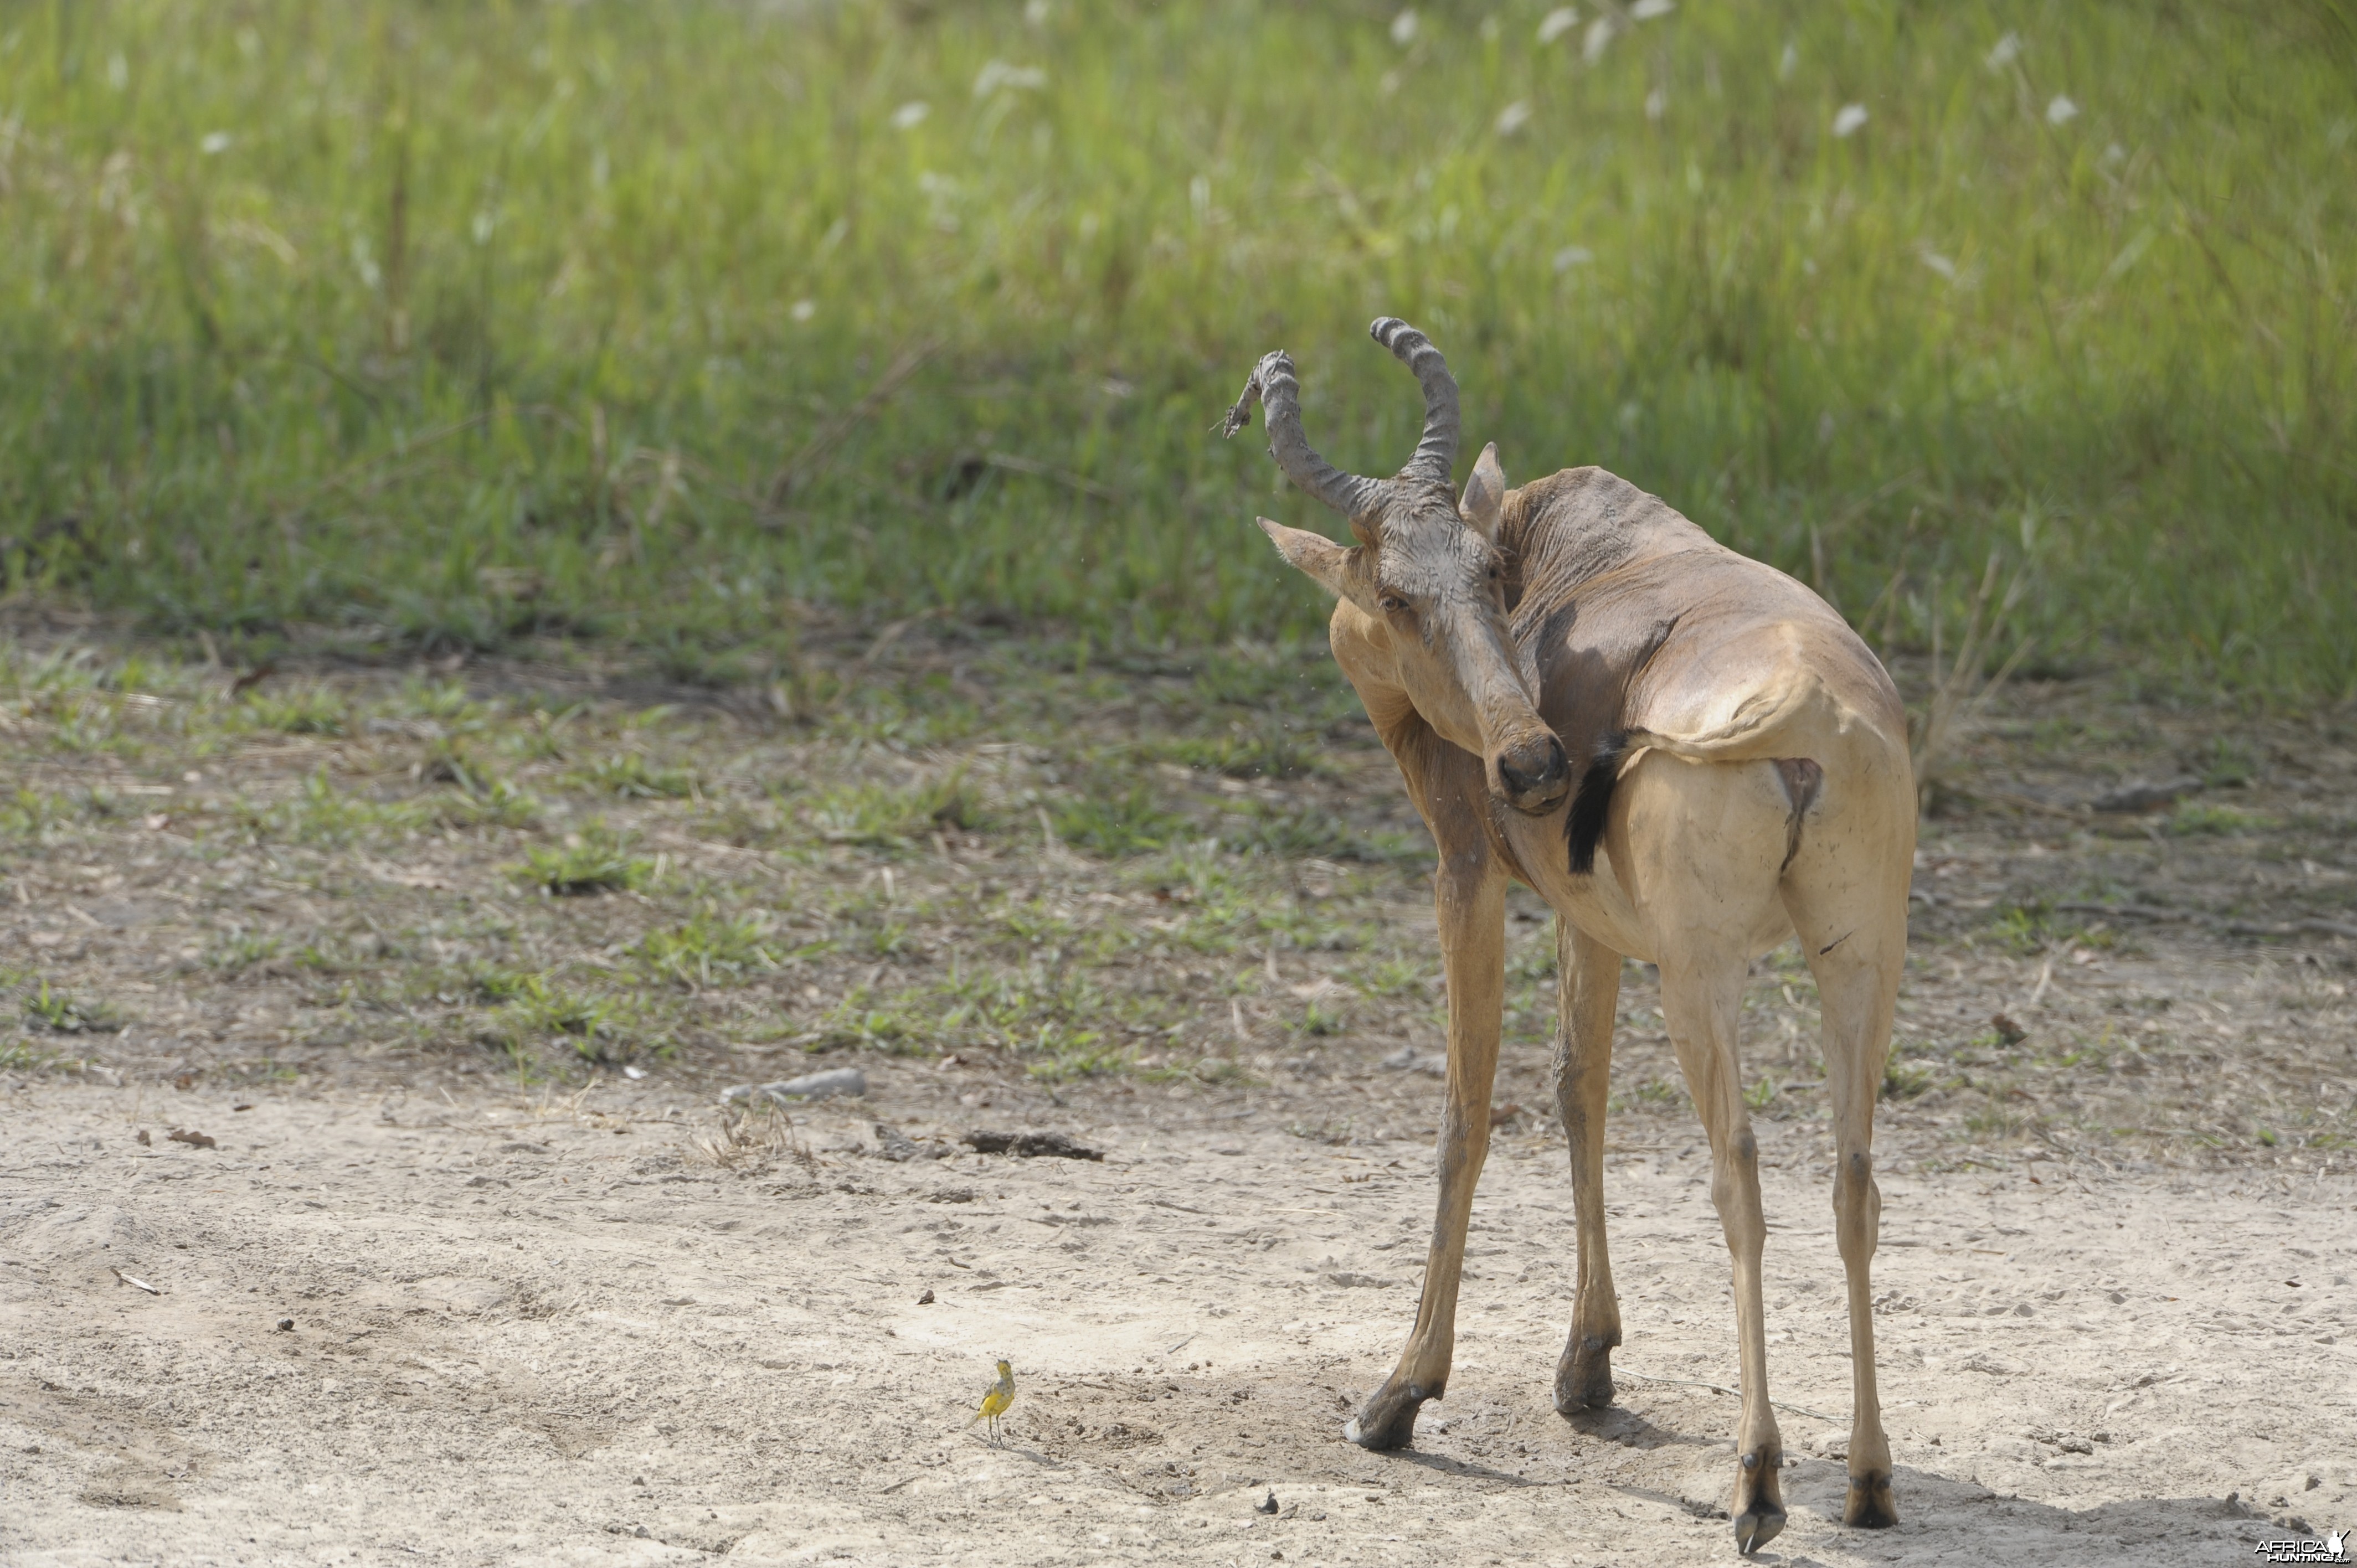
[1848, 896]
[1590, 979]
[1702, 996]
[1705, 847]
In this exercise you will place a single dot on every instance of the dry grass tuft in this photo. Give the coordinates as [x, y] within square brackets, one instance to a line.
[1962, 686]
[752, 1141]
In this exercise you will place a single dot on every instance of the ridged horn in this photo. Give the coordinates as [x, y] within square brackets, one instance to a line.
[1438, 451]
[1272, 385]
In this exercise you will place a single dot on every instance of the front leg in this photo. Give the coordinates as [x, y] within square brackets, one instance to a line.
[1469, 893]
[1589, 975]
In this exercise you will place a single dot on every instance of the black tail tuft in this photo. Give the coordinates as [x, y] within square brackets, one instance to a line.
[1584, 826]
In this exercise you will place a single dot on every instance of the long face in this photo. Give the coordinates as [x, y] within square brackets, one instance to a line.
[1425, 574]
[1431, 589]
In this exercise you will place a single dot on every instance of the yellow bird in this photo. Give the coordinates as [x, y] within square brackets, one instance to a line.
[994, 1403]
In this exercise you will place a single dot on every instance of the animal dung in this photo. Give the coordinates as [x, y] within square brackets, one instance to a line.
[842, 1080]
[191, 1137]
[1029, 1145]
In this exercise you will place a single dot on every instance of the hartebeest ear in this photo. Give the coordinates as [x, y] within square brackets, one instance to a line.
[1315, 553]
[1484, 503]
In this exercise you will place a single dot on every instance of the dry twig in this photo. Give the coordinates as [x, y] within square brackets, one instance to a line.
[1960, 690]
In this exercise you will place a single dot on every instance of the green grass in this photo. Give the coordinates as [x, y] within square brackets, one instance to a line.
[712, 949]
[442, 325]
[628, 774]
[595, 860]
[240, 951]
[1905, 1079]
[1115, 820]
[309, 711]
[2192, 817]
[64, 1014]
[532, 1009]
[882, 815]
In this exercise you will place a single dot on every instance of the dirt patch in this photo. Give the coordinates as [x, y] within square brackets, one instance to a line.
[548, 1299]
[613, 1335]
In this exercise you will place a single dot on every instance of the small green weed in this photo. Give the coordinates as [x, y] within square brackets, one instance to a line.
[1058, 1055]
[1320, 1018]
[595, 860]
[2033, 927]
[2226, 763]
[311, 710]
[479, 803]
[323, 815]
[490, 983]
[481, 798]
[63, 1015]
[1123, 822]
[881, 816]
[1904, 1079]
[2198, 817]
[1532, 963]
[1293, 674]
[23, 1055]
[31, 813]
[1270, 751]
[709, 949]
[1654, 1094]
[446, 701]
[2025, 928]
[538, 1010]
[1391, 977]
[1312, 929]
[1296, 831]
[241, 949]
[630, 775]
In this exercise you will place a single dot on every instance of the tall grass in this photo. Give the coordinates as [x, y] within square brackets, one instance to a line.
[449, 322]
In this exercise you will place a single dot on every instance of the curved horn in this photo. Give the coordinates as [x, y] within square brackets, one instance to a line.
[1273, 384]
[1438, 450]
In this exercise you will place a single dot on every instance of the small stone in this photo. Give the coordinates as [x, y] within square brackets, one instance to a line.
[847, 1080]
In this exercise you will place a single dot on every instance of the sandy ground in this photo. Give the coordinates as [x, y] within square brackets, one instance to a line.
[584, 1331]
[543, 1312]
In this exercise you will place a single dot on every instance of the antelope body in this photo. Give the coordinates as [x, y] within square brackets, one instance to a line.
[1693, 759]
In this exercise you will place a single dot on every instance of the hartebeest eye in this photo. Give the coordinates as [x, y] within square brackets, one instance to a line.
[1393, 603]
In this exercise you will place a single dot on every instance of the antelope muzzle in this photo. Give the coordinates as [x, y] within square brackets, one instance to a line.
[1531, 774]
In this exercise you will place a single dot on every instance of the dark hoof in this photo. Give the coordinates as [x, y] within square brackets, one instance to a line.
[1582, 1379]
[1757, 1528]
[1387, 1421]
[1759, 1506]
[1870, 1505]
